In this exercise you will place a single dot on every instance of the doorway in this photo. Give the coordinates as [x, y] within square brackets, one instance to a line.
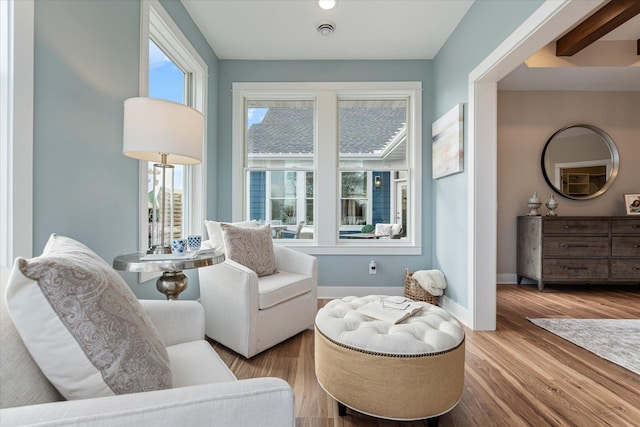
[548, 22]
[401, 205]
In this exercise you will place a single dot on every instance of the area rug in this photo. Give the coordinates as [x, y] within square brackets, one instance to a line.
[616, 340]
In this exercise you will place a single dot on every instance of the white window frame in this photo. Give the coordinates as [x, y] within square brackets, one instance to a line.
[158, 25]
[326, 95]
[16, 129]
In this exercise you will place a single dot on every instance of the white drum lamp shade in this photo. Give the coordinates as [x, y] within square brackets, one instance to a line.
[153, 127]
[166, 133]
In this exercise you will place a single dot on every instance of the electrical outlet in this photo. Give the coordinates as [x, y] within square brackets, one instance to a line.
[373, 267]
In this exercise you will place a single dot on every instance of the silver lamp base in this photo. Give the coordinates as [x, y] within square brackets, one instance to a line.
[171, 283]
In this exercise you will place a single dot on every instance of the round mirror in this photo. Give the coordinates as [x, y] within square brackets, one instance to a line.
[580, 162]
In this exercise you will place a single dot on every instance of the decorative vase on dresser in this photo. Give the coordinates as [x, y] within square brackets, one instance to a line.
[578, 250]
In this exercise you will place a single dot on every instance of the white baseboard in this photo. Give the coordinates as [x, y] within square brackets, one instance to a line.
[512, 279]
[506, 278]
[456, 310]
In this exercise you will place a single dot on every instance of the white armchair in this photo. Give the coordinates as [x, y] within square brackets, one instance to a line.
[205, 391]
[250, 314]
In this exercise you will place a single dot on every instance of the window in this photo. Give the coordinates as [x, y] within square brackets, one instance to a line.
[372, 155]
[16, 129]
[168, 81]
[325, 162]
[353, 200]
[173, 71]
[280, 160]
[283, 197]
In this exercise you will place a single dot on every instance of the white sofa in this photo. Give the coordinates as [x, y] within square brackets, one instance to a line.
[205, 391]
[250, 314]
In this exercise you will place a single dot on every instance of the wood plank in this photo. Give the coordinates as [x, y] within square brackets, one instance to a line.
[519, 374]
[606, 19]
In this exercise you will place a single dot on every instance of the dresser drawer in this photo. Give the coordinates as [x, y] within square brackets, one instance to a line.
[627, 246]
[575, 246]
[625, 269]
[575, 268]
[629, 226]
[575, 226]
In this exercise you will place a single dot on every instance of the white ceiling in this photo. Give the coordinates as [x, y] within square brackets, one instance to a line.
[364, 29]
[582, 78]
[376, 29]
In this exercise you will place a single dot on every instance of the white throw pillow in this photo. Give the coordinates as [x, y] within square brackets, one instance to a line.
[215, 232]
[250, 247]
[382, 229]
[82, 324]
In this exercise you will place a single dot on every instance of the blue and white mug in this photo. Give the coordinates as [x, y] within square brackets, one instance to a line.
[194, 242]
[179, 246]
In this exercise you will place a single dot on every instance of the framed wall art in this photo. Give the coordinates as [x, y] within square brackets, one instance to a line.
[448, 143]
[632, 204]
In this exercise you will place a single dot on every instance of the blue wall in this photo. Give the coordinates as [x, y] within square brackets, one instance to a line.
[86, 65]
[332, 270]
[487, 24]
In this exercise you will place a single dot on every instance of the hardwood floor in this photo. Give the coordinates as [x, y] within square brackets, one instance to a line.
[519, 375]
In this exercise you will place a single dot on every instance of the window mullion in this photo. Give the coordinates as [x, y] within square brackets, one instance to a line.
[369, 197]
[300, 196]
[327, 176]
[267, 194]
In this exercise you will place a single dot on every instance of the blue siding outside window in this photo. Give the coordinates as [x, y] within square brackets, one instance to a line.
[258, 199]
[381, 199]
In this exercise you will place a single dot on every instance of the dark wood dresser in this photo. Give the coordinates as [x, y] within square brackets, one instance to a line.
[579, 249]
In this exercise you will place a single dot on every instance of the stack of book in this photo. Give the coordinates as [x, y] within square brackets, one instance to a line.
[183, 255]
[392, 309]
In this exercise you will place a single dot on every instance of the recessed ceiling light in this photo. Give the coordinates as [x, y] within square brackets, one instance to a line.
[327, 4]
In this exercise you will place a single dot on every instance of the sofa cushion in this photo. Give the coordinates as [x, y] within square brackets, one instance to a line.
[187, 360]
[21, 381]
[251, 247]
[82, 324]
[215, 231]
[281, 287]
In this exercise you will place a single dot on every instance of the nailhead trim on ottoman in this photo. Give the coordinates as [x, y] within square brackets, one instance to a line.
[407, 371]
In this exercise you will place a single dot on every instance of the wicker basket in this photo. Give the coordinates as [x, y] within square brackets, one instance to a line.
[413, 290]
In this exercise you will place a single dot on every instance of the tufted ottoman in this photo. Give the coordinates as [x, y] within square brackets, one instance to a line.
[407, 371]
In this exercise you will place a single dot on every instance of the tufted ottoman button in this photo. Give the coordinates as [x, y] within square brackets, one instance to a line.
[407, 371]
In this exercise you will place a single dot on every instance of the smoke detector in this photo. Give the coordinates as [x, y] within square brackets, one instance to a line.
[326, 28]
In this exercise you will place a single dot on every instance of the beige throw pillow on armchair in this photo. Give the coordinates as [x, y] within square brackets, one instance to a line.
[251, 247]
[214, 231]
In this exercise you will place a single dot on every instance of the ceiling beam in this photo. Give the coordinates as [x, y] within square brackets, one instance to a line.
[607, 18]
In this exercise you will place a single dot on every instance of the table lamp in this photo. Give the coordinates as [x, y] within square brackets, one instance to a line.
[169, 134]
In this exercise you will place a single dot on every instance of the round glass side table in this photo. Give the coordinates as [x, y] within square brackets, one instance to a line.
[173, 281]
